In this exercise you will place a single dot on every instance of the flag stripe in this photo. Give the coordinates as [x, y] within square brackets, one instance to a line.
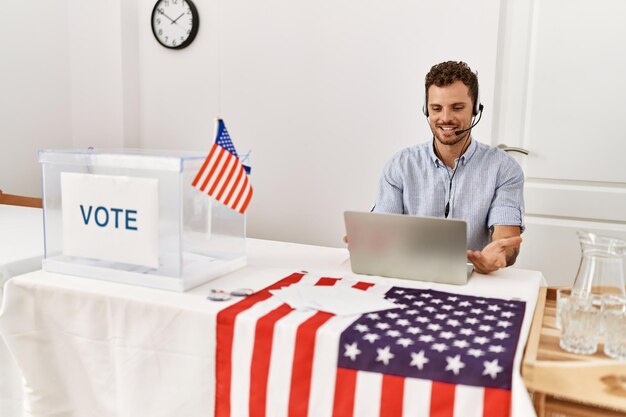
[204, 165]
[220, 179]
[361, 285]
[214, 164]
[224, 342]
[345, 388]
[468, 401]
[234, 187]
[442, 399]
[228, 182]
[246, 201]
[367, 393]
[303, 363]
[497, 402]
[391, 396]
[259, 367]
[244, 187]
[416, 401]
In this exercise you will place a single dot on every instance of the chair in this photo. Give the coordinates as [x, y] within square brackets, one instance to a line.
[18, 200]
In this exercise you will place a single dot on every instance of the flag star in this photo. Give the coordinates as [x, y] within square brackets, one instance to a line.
[401, 306]
[481, 302]
[452, 298]
[384, 355]
[453, 323]
[393, 333]
[393, 315]
[477, 311]
[458, 313]
[414, 330]
[399, 291]
[454, 364]
[419, 360]
[352, 351]
[493, 308]
[501, 335]
[383, 326]
[371, 337]
[426, 338]
[411, 312]
[496, 349]
[441, 316]
[418, 303]
[439, 347]
[461, 344]
[404, 342]
[425, 295]
[434, 327]
[373, 316]
[504, 323]
[436, 301]
[484, 328]
[446, 335]
[409, 296]
[465, 304]
[507, 314]
[467, 332]
[490, 317]
[430, 309]
[477, 353]
[481, 340]
[362, 328]
[471, 320]
[422, 319]
[492, 368]
[447, 307]
[403, 322]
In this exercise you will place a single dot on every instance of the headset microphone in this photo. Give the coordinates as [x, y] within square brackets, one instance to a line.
[480, 115]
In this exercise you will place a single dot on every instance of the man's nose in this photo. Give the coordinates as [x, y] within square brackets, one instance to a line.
[446, 114]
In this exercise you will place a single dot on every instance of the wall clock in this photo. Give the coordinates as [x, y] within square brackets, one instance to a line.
[175, 23]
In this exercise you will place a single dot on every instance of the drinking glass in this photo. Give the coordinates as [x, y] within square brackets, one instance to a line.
[580, 319]
[614, 323]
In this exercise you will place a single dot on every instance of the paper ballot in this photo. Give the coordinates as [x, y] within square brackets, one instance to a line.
[341, 301]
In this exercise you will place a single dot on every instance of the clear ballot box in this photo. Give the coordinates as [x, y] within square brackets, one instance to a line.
[133, 216]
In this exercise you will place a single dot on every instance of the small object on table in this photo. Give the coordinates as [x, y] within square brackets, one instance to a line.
[218, 295]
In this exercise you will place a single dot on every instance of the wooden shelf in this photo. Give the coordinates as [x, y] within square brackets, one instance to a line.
[563, 382]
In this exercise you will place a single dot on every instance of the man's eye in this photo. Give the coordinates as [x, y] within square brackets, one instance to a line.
[459, 108]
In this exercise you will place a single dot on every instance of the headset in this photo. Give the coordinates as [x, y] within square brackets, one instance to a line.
[478, 107]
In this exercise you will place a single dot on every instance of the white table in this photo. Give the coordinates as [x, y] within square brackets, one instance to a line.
[96, 348]
[21, 250]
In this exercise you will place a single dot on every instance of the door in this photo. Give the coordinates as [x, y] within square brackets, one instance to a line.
[561, 95]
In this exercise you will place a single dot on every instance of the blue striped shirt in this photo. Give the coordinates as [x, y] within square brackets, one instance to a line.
[487, 189]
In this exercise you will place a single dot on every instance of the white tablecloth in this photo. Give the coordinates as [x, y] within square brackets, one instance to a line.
[21, 250]
[96, 348]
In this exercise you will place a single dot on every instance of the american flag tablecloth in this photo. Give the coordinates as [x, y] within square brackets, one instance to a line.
[437, 354]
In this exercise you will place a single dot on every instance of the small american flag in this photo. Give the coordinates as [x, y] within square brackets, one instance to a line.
[438, 354]
[222, 176]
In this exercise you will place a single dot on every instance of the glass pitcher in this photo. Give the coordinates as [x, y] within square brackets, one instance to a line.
[601, 271]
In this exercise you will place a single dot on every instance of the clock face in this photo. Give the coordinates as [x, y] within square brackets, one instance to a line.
[175, 23]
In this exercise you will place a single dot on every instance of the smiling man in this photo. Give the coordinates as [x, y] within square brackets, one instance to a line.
[455, 176]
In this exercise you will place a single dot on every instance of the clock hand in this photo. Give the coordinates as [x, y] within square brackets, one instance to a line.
[166, 16]
[174, 21]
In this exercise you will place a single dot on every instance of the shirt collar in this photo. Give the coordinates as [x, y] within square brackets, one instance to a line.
[469, 152]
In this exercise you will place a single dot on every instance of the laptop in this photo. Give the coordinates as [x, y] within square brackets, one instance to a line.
[429, 249]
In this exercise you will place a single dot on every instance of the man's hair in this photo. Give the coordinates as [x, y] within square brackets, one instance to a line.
[448, 72]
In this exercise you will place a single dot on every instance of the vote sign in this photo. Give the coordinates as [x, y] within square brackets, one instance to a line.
[111, 218]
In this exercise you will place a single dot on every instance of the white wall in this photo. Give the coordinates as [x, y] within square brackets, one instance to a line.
[323, 92]
[34, 89]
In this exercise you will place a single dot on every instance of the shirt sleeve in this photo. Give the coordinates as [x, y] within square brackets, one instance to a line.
[507, 206]
[390, 190]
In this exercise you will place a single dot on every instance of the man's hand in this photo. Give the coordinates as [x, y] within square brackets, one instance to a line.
[495, 255]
